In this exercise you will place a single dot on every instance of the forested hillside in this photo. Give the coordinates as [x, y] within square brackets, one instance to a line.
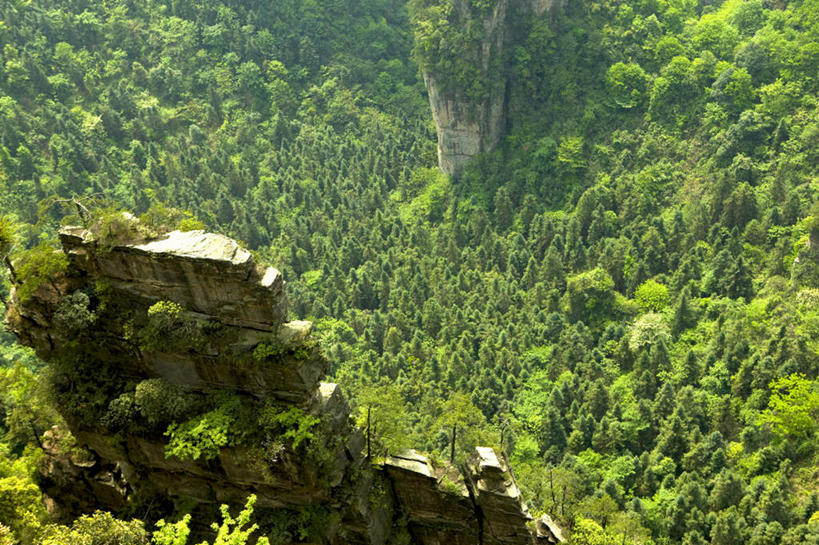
[628, 285]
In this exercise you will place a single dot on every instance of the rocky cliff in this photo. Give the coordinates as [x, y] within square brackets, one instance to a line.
[468, 92]
[173, 364]
[469, 121]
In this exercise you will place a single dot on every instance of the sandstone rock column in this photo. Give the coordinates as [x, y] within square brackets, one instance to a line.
[469, 123]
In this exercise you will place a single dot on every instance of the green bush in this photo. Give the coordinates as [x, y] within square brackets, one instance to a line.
[73, 313]
[37, 266]
[204, 435]
[652, 296]
[589, 296]
[99, 528]
[292, 424]
[627, 84]
[168, 328]
[159, 402]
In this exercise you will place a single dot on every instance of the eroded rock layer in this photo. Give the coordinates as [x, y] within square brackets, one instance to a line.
[468, 125]
[173, 365]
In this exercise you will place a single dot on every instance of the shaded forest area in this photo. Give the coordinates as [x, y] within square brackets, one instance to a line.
[630, 282]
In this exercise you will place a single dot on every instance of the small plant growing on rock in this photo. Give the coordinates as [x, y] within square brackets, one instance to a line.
[166, 327]
[158, 401]
[268, 352]
[162, 219]
[206, 434]
[449, 486]
[73, 313]
[292, 424]
[113, 227]
[37, 266]
[232, 531]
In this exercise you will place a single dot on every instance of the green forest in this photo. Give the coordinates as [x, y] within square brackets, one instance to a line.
[623, 295]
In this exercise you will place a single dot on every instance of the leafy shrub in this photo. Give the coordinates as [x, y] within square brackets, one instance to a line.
[73, 313]
[162, 219]
[36, 266]
[626, 84]
[112, 227]
[293, 424]
[793, 410]
[97, 529]
[589, 295]
[121, 411]
[206, 434]
[268, 352]
[649, 329]
[167, 328]
[652, 296]
[159, 401]
[19, 500]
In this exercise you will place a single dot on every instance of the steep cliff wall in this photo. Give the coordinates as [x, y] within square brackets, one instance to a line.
[462, 47]
[173, 364]
[469, 123]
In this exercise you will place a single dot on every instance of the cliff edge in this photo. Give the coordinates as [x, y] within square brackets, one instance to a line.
[173, 363]
[462, 47]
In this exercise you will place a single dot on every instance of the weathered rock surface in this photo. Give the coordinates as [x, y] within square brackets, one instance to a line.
[226, 338]
[466, 126]
[204, 272]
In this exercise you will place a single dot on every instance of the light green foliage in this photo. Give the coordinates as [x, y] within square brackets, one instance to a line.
[231, 531]
[652, 296]
[292, 424]
[389, 429]
[589, 295]
[167, 328]
[8, 235]
[793, 410]
[458, 411]
[433, 189]
[449, 486]
[204, 435]
[161, 219]
[37, 266]
[626, 84]
[570, 154]
[99, 528]
[268, 352]
[20, 501]
[648, 329]
[588, 532]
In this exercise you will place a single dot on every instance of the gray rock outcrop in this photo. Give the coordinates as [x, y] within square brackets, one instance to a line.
[470, 122]
[147, 336]
[468, 126]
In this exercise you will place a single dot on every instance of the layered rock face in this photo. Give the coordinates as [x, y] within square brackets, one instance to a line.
[173, 364]
[466, 126]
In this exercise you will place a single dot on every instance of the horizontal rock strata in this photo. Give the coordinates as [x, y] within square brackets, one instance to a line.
[185, 331]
